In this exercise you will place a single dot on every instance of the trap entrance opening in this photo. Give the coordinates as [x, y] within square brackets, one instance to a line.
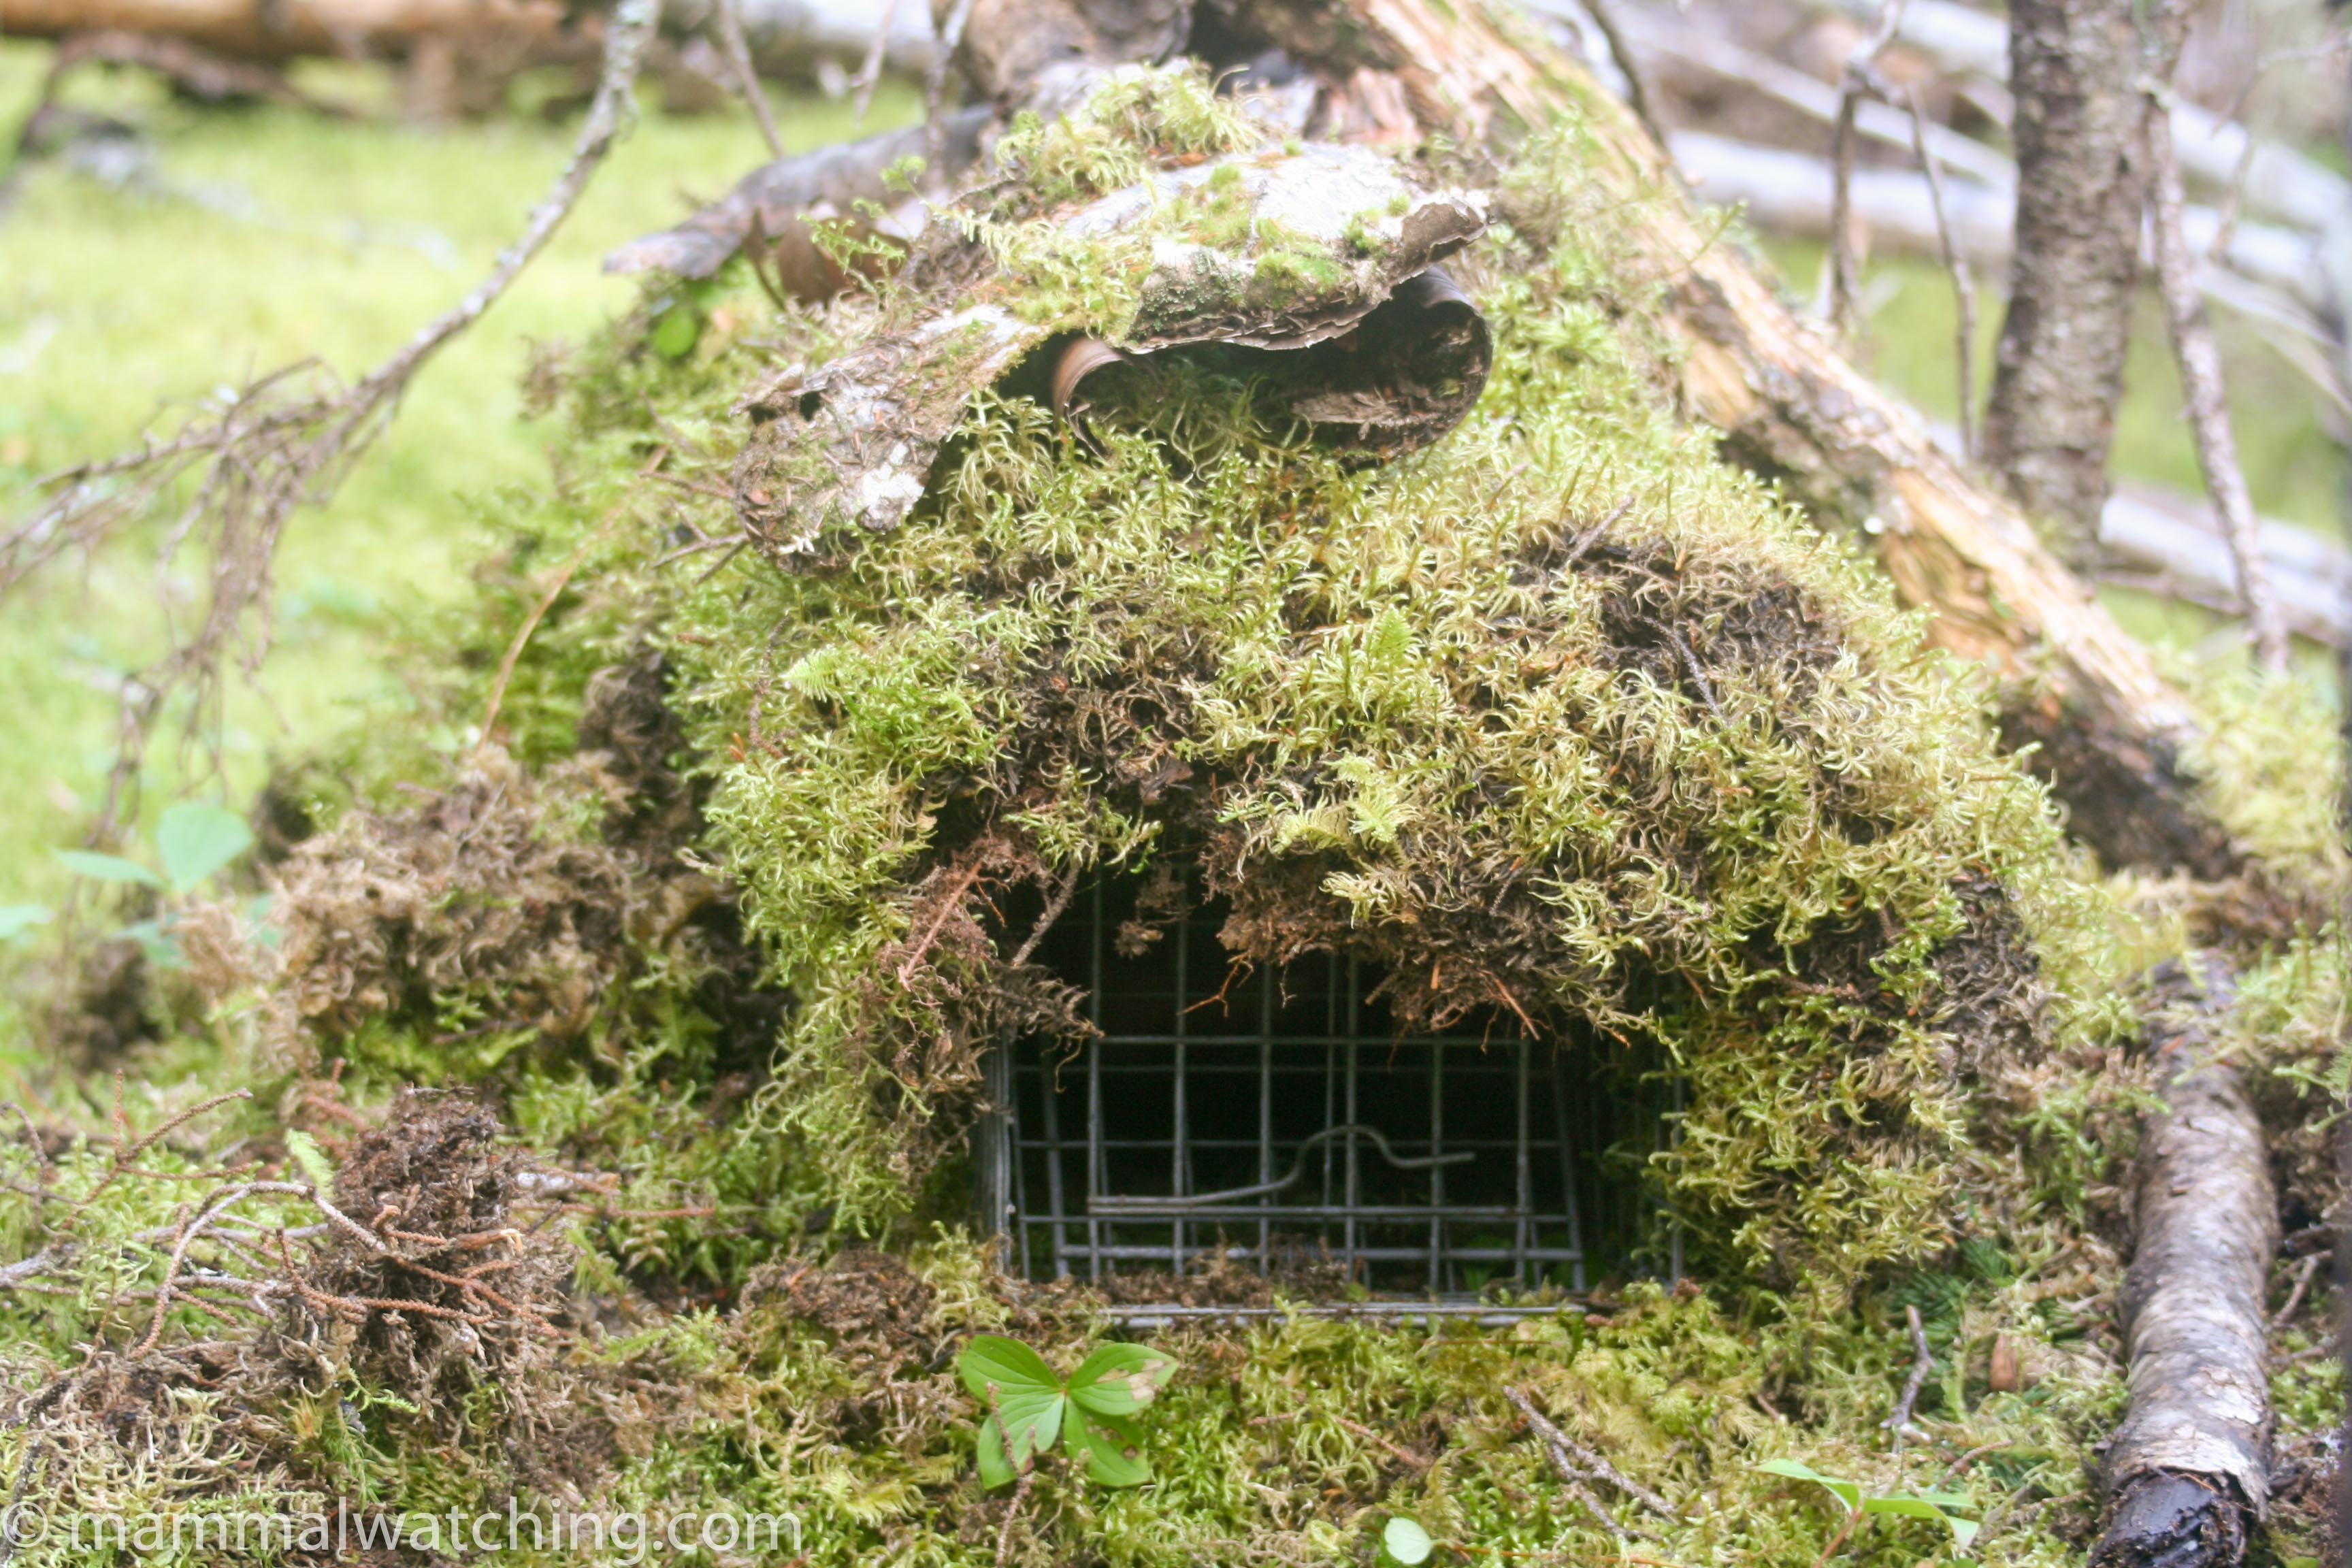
[1279, 1118]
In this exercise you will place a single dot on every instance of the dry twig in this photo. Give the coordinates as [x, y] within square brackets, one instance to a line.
[869, 74]
[2203, 387]
[1923, 1362]
[1575, 1464]
[1964, 285]
[935, 85]
[1862, 78]
[273, 447]
[729, 17]
[2306, 1272]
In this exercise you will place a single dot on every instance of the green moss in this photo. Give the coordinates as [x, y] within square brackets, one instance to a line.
[1785, 870]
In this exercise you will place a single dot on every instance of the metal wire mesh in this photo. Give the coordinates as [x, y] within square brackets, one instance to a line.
[1279, 1118]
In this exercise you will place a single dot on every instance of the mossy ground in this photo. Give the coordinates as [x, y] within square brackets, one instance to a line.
[1700, 779]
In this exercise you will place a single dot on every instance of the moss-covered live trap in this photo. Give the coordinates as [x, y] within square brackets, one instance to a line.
[1281, 1119]
[1287, 864]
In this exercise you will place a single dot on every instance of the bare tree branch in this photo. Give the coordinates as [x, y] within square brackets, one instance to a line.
[2201, 385]
[272, 448]
[729, 19]
[1861, 78]
[1964, 285]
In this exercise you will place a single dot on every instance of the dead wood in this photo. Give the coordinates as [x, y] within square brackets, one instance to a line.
[2268, 273]
[1041, 55]
[1383, 353]
[2277, 180]
[2109, 731]
[779, 201]
[2190, 1468]
[2199, 359]
[269, 30]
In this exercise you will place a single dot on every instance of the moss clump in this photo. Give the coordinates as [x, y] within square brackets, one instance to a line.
[1561, 718]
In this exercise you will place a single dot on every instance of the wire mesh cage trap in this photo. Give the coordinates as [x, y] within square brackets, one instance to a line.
[1279, 1118]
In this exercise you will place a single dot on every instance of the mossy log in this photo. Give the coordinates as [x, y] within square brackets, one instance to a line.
[2110, 731]
[2190, 1468]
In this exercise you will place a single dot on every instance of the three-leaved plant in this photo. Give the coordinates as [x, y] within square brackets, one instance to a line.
[1092, 1411]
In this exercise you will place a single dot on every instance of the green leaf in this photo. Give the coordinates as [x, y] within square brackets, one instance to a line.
[312, 1159]
[196, 840]
[1406, 1541]
[1030, 1420]
[676, 331]
[1910, 1507]
[1930, 1505]
[107, 868]
[1847, 1491]
[995, 1468]
[1120, 1379]
[993, 1365]
[1112, 1447]
[15, 919]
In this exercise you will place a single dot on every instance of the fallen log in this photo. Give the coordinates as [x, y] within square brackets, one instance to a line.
[788, 38]
[280, 30]
[2188, 1470]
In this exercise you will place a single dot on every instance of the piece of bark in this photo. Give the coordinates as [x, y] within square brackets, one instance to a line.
[2190, 1467]
[2109, 732]
[850, 444]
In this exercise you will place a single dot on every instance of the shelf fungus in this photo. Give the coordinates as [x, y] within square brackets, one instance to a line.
[1312, 272]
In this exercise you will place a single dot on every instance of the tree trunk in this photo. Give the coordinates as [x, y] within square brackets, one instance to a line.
[2110, 731]
[2081, 185]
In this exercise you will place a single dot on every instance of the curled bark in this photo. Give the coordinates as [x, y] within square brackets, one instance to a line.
[2190, 1468]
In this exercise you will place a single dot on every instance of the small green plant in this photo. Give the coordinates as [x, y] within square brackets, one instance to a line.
[1860, 1504]
[194, 841]
[1092, 1411]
